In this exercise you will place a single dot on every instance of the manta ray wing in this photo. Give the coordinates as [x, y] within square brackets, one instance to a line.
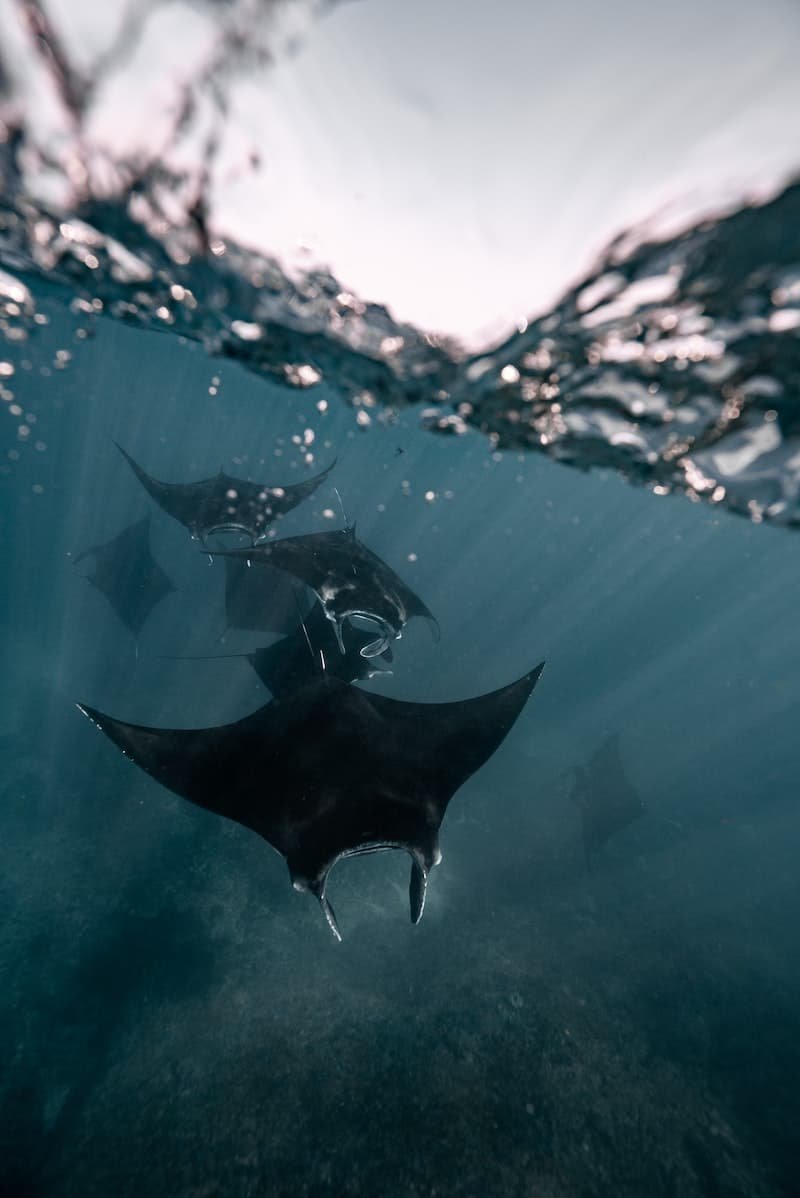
[223, 769]
[451, 741]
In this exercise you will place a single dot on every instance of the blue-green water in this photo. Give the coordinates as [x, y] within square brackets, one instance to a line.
[177, 1020]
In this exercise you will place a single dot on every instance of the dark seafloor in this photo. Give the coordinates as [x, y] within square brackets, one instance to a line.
[174, 1020]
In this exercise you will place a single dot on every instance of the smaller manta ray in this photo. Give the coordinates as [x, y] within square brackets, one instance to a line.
[332, 772]
[310, 652]
[348, 579]
[224, 503]
[126, 572]
[605, 797]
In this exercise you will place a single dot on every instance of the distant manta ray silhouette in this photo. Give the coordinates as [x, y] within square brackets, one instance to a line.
[604, 796]
[128, 575]
[332, 772]
[348, 579]
[224, 503]
[310, 651]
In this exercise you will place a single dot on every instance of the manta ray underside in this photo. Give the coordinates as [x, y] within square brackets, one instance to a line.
[331, 772]
[348, 579]
[225, 503]
[125, 571]
[605, 797]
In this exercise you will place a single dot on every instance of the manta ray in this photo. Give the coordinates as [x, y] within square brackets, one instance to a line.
[348, 579]
[310, 651]
[331, 772]
[126, 572]
[604, 796]
[224, 503]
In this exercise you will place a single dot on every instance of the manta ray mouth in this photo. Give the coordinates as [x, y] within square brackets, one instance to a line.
[374, 648]
[417, 888]
[366, 621]
[234, 526]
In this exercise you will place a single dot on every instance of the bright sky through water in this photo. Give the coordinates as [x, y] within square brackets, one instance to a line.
[462, 163]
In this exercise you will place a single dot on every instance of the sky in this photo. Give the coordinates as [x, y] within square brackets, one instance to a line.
[464, 163]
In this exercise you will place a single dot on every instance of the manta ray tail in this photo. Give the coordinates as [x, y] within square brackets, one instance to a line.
[199, 656]
[305, 633]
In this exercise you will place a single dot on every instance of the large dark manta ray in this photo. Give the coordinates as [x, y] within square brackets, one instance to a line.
[224, 503]
[126, 572]
[332, 772]
[347, 578]
[604, 796]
